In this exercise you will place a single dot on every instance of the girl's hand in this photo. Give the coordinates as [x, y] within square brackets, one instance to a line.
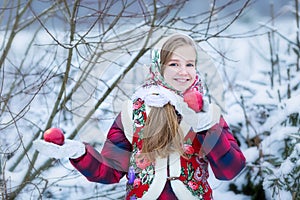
[210, 114]
[70, 149]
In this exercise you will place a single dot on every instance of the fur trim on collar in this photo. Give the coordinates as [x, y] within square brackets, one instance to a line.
[156, 96]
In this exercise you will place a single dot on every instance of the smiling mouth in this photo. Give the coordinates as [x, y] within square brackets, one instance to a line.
[182, 80]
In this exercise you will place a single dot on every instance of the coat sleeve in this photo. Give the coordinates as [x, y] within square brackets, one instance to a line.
[222, 151]
[111, 164]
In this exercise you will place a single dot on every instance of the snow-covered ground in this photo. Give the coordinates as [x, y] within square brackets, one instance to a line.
[248, 74]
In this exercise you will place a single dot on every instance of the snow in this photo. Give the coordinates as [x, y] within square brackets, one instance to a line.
[252, 154]
[249, 77]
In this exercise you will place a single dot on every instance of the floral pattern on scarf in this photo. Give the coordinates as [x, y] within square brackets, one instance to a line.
[156, 78]
[194, 172]
[141, 170]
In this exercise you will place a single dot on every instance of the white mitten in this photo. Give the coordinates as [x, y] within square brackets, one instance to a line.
[202, 120]
[70, 149]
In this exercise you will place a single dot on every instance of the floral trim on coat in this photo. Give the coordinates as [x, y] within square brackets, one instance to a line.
[194, 174]
[141, 172]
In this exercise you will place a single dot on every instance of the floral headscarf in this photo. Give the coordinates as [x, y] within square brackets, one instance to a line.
[156, 91]
[156, 78]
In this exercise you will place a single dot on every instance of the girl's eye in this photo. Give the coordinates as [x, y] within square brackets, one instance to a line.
[190, 65]
[173, 65]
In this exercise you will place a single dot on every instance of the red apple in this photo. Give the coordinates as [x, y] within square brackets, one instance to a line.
[54, 135]
[194, 100]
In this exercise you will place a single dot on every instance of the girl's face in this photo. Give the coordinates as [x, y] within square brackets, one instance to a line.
[180, 69]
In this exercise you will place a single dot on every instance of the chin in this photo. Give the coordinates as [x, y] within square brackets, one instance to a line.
[182, 89]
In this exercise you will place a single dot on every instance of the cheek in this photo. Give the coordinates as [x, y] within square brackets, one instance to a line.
[193, 74]
[168, 74]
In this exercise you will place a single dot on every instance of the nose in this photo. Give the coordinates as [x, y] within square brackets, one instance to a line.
[183, 69]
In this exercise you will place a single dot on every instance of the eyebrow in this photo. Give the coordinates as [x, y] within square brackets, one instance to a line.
[176, 60]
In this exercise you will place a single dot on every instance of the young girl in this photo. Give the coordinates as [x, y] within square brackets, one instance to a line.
[165, 137]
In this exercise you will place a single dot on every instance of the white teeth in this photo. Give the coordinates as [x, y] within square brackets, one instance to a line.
[182, 80]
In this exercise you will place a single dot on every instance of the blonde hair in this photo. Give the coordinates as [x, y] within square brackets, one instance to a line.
[162, 133]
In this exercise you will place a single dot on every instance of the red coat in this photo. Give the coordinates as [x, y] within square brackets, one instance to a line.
[223, 154]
